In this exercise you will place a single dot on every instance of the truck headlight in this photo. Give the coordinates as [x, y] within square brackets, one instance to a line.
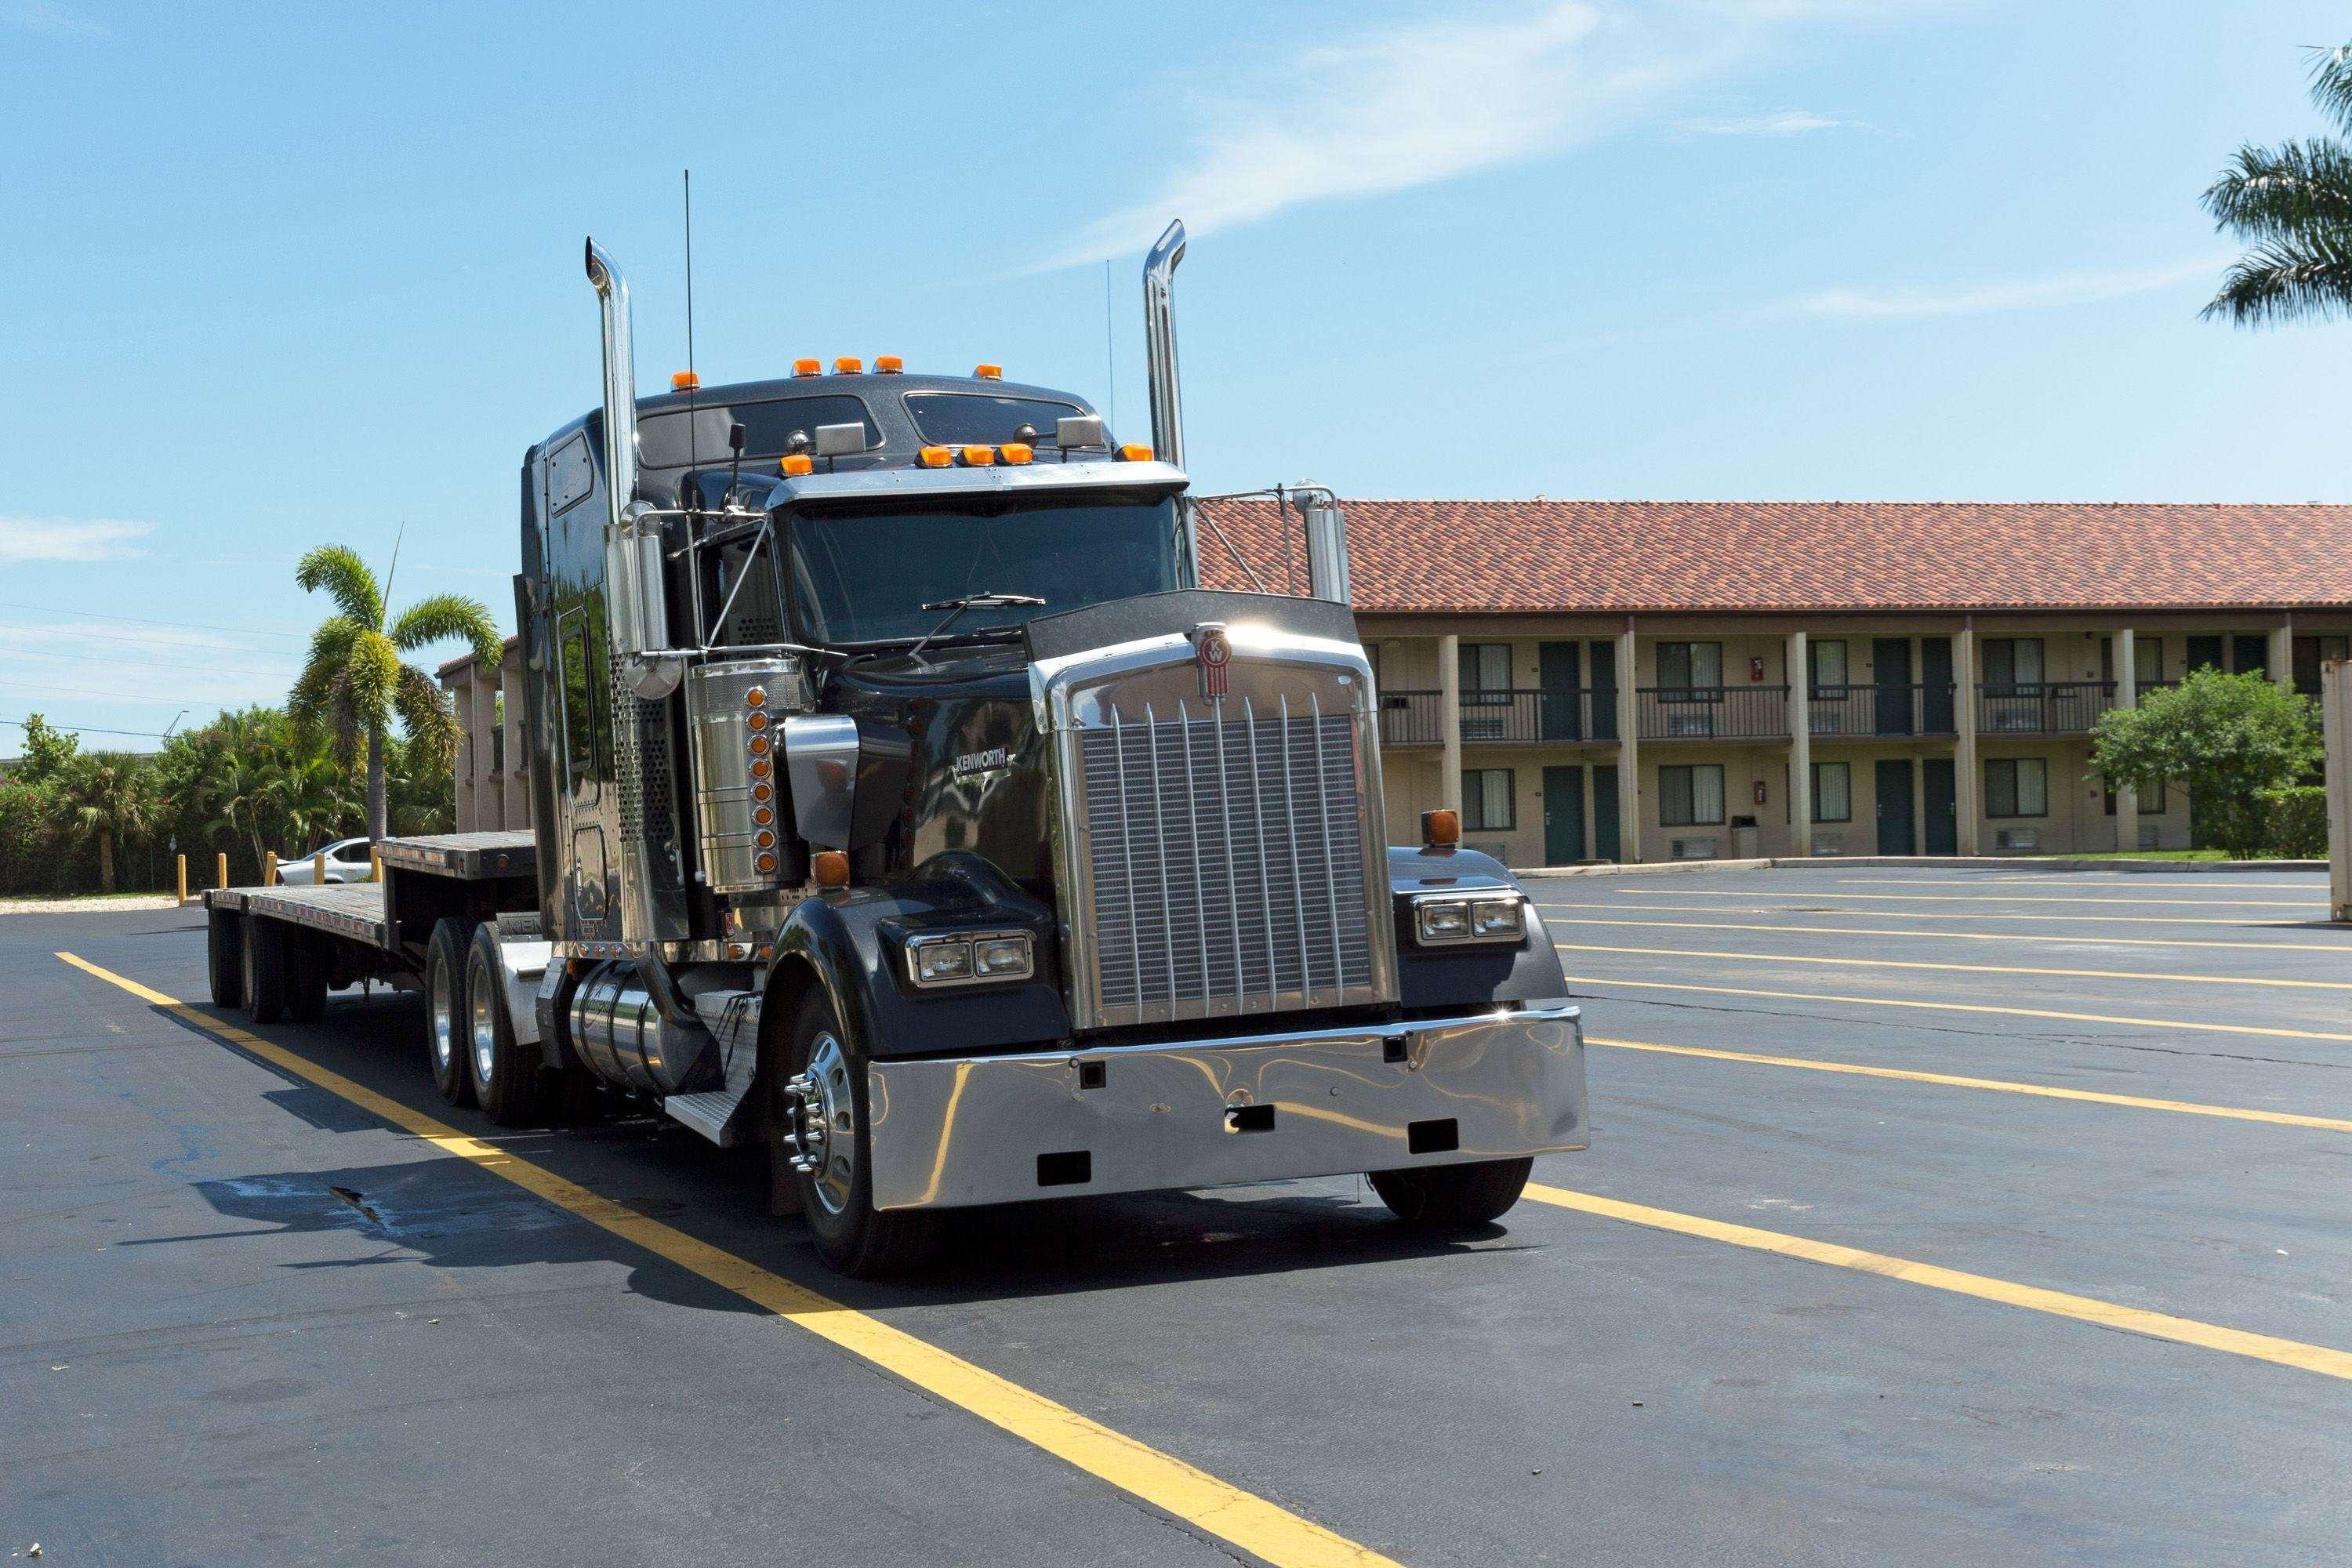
[940, 961]
[1442, 919]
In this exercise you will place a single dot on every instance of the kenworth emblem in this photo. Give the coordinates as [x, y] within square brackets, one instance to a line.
[989, 760]
[1215, 653]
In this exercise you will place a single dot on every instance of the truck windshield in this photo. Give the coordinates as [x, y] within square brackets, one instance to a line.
[862, 574]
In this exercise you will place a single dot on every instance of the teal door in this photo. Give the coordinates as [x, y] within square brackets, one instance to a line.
[1561, 670]
[1563, 816]
[1895, 835]
[1606, 845]
[1943, 824]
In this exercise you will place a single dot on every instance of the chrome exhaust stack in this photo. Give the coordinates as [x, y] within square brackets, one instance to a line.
[1160, 345]
[636, 599]
[1326, 547]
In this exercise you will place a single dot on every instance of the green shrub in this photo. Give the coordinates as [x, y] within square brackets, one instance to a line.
[2297, 818]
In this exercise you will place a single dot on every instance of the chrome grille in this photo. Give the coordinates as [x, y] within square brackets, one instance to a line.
[1225, 861]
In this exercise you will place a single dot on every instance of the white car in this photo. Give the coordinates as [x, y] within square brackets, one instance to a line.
[347, 861]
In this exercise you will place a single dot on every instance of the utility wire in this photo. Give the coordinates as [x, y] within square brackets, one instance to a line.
[94, 730]
[148, 641]
[136, 620]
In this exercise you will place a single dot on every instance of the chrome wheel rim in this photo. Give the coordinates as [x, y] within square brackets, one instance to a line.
[443, 1023]
[835, 1110]
[484, 1029]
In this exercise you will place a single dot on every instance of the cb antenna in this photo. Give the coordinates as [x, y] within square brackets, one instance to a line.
[693, 382]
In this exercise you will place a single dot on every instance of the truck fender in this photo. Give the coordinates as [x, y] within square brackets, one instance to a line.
[1473, 974]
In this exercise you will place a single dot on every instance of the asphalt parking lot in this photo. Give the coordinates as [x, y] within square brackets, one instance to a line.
[1940, 1215]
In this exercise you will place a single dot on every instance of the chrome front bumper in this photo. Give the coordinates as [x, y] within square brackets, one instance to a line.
[1246, 1108]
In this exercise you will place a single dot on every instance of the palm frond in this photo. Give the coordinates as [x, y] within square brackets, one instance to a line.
[2331, 83]
[2297, 278]
[446, 616]
[430, 719]
[2269, 192]
[339, 569]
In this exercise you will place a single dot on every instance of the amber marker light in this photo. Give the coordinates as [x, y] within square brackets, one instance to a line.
[888, 364]
[830, 867]
[766, 863]
[760, 767]
[756, 698]
[807, 366]
[848, 364]
[764, 791]
[988, 373]
[798, 464]
[1440, 829]
[1016, 452]
[936, 456]
[762, 816]
[759, 745]
[757, 720]
[1134, 452]
[979, 457]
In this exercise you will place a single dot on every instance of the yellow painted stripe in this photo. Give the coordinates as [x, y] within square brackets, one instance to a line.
[2078, 880]
[1175, 1488]
[2250, 922]
[1623, 924]
[1982, 899]
[1963, 1007]
[1964, 968]
[1999, 1085]
[1984, 1288]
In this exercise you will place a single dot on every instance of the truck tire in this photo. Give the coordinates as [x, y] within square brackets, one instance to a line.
[508, 1079]
[838, 1196]
[265, 970]
[1452, 1198]
[307, 959]
[225, 956]
[445, 1011]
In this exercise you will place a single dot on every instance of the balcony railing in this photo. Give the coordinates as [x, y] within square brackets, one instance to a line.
[2044, 708]
[1712, 713]
[1522, 718]
[1864, 711]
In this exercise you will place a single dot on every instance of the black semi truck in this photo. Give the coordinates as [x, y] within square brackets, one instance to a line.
[902, 802]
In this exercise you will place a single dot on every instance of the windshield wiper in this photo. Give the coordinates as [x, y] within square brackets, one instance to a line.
[956, 607]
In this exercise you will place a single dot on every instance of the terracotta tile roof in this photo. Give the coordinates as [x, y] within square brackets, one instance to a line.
[1649, 556]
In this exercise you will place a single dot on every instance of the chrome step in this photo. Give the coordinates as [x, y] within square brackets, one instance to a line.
[721, 1114]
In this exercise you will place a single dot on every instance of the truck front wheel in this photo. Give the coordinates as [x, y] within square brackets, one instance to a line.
[446, 1047]
[1452, 1198]
[817, 1131]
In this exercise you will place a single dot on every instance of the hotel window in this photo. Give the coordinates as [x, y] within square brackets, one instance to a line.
[1690, 795]
[1833, 792]
[1487, 797]
[1827, 662]
[2151, 801]
[2012, 665]
[2016, 787]
[1693, 667]
[1485, 673]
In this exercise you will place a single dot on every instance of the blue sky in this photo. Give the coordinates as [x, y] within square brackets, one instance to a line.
[276, 278]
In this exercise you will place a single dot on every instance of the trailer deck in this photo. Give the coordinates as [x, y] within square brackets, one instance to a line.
[353, 909]
[358, 910]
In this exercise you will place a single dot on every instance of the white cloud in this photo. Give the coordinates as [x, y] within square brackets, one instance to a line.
[68, 539]
[56, 21]
[1437, 98]
[1984, 299]
[1786, 123]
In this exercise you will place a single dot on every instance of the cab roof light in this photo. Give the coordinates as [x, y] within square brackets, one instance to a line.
[829, 868]
[888, 364]
[936, 456]
[807, 366]
[1015, 452]
[979, 457]
[1134, 452]
[848, 364]
[685, 380]
[988, 373]
[1440, 829]
[796, 464]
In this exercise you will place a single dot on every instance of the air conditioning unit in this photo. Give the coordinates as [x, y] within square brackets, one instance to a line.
[1827, 722]
[1694, 848]
[2017, 838]
[2151, 836]
[2015, 720]
[1829, 843]
[1685, 725]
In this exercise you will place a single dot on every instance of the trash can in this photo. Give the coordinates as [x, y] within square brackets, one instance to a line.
[1744, 839]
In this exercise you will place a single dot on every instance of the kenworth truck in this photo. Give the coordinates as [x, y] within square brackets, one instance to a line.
[904, 803]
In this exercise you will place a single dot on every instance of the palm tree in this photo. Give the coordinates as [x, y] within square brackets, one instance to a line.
[2291, 204]
[105, 793]
[355, 681]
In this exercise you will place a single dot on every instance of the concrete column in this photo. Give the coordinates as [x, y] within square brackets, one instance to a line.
[1966, 775]
[1628, 748]
[1801, 748]
[2127, 695]
[1449, 719]
[461, 696]
[481, 722]
[2282, 661]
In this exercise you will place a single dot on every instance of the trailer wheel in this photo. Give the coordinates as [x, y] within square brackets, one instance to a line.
[818, 1106]
[225, 956]
[444, 1011]
[1452, 1198]
[508, 1079]
[307, 959]
[265, 970]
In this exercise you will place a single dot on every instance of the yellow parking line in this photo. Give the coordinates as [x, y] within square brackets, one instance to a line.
[2000, 1085]
[2243, 923]
[1964, 968]
[2064, 879]
[2335, 947]
[2320, 903]
[2083, 1308]
[1249, 1521]
[1963, 1007]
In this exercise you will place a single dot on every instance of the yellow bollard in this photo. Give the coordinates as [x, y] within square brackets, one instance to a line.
[318, 870]
[269, 869]
[375, 864]
[220, 868]
[180, 874]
